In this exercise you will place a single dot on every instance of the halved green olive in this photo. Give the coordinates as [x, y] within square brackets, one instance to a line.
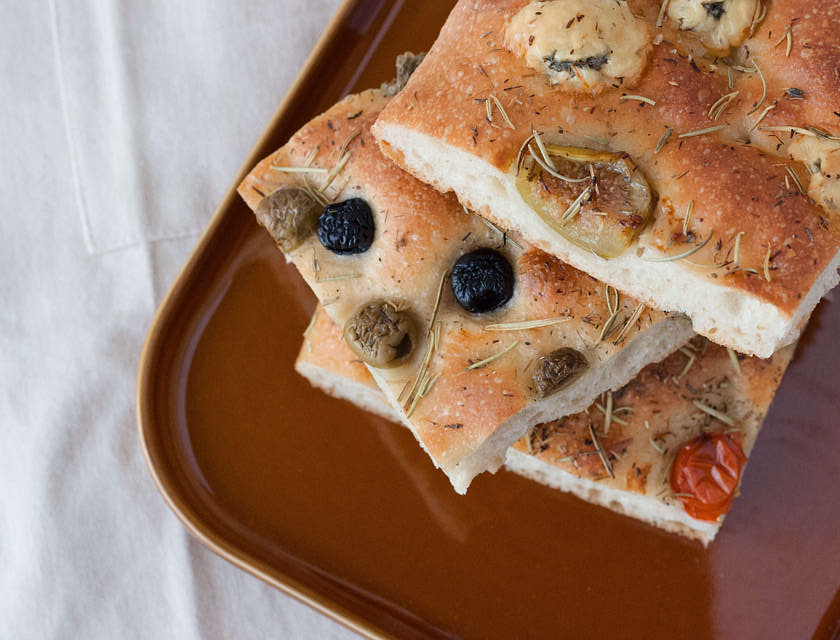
[289, 215]
[598, 200]
[381, 333]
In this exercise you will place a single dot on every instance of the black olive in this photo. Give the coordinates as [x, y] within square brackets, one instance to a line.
[482, 280]
[289, 215]
[346, 227]
[381, 333]
[558, 369]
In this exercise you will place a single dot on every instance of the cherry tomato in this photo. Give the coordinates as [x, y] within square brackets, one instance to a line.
[706, 473]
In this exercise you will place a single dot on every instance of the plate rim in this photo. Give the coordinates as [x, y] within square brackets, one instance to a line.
[144, 406]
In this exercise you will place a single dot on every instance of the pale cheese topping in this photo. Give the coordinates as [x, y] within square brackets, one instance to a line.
[581, 45]
[720, 25]
[822, 157]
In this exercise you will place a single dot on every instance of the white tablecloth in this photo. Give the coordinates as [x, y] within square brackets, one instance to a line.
[122, 122]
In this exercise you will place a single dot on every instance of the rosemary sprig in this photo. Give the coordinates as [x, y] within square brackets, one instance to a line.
[493, 100]
[717, 109]
[714, 413]
[660, 19]
[576, 206]
[525, 325]
[543, 151]
[612, 306]
[758, 15]
[614, 418]
[786, 36]
[763, 90]
[687, 218]
[767, 264]
[691, 359]
[342, 161]
[504, 235]
[736, 254]
[663, 139]
[657, 446]
[638, 98]
[630, 322]
[702, 132]
[284, 169]
[343, 158]
[315, 195]
[422, 376]
[733, 357]
[608, 413]
[552, 171]
[761, 117]
[613, 309]
[685, 254]
[483, 363]
[600, 449]
[803, 131]
[344, 276]
[795, 179]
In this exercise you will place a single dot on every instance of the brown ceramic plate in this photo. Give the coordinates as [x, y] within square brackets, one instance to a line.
[343, 510]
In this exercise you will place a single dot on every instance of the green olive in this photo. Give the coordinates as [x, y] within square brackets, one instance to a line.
[290, 215]
[381, 333]
[558, 370]
[602, 206]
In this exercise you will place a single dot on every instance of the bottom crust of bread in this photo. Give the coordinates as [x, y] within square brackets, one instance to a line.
[363, 396]
[629, 503]
[635, 505]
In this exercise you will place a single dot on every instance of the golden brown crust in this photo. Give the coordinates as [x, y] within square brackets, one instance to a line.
[811, 63]
[734, 187]
[419, 235]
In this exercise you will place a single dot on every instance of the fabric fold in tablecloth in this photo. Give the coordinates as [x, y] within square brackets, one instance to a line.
[122, 124]
[143, 84]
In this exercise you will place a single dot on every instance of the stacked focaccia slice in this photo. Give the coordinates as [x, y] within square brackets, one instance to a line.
[669, 448]
[685, 152]
[472, 337]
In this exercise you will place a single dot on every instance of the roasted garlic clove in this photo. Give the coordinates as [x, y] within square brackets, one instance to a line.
[558, 370]
[720, 25]
[381, 333]
[581, 45]
[598, 200]
[289, 215]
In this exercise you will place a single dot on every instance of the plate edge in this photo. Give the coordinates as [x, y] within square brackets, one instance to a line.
[145, 373]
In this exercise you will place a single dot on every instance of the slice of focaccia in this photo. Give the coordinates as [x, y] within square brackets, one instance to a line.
[471, 335]
[671, 453]
[674, 163]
